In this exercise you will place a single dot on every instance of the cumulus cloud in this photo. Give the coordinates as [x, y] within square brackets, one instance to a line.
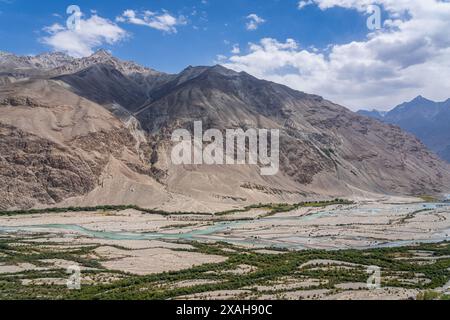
[304, 3]
[236, 49]
[253, 22]
[410, 55]
[80, 42]
[160, 21]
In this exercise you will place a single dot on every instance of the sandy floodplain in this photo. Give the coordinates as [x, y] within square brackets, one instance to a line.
[118, 245]
[361, 225]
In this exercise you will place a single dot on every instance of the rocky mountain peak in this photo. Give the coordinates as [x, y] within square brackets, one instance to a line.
[222, 70]
[191, 72]
[421, 99]
[54, 55]
[102, 56]
[41, 62]
[58, 63]
[426, 119]
[102, 53]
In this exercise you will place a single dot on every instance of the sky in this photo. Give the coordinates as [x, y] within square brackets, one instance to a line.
[362, 54]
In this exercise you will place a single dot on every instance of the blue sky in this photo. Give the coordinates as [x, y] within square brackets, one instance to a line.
[317, 46]
[212, 27]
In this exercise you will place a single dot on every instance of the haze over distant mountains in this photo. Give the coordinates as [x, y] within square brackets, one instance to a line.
[97, 130]
[428, 120]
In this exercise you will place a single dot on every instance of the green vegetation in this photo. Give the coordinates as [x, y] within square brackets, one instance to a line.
[274, 208]
[427, 198]
[432, 295]
[411, 215]
[399, 266]
[179, 226]
[95, 209]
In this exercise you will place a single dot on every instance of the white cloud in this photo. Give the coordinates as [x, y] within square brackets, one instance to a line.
[304, 3]
[409, 56]
[160, 21]
[254, 21]
[54, 28]
[220, 58]
[236, 49]
[92, 33]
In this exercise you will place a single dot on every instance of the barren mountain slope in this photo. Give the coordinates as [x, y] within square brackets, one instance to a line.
[104, 84]
[55, 145]
[325, 148]
[97, 131]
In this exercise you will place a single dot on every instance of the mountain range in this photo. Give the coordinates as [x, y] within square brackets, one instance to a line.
[97, 130]
[426, 119]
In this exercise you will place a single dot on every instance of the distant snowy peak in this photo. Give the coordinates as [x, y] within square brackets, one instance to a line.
[59, 63]
[104, 57]
[42, 61]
